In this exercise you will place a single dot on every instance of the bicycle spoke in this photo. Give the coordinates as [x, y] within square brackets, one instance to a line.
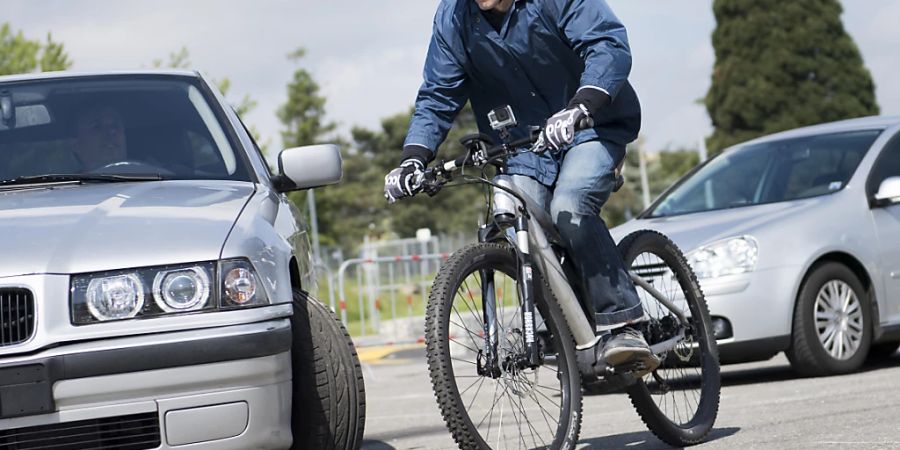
[463, 345]
[470, 386]
[471, 309]
[518, 424]
[531, 428]
[472, 336]
[475, 397]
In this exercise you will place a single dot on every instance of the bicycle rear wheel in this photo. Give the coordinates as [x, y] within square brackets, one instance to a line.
[522, 407]
[679, 401]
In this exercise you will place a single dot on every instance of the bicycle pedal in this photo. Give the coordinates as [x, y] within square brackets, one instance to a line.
[629, 367]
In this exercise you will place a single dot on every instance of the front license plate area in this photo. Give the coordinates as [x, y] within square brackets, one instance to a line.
[25, 390]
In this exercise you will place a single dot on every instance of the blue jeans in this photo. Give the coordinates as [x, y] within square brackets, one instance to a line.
[586, 180]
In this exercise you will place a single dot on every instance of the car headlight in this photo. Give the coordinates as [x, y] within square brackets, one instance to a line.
[240, 286]
[726, 257]
[183, 288]
[115, 297]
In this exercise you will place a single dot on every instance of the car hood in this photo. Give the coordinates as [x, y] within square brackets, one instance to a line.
[65, 229]
[690, 231]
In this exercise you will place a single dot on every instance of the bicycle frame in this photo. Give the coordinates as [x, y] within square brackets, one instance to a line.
[514, 210]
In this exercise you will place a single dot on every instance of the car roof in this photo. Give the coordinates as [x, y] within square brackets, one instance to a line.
[864, 123]
[77, 74]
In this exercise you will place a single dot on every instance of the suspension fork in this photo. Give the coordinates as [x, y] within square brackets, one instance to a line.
[489, 361]
[525, 280]
[491, 365]
[532, 356]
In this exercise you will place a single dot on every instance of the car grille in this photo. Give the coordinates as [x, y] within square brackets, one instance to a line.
[16, 316]
[134, 432]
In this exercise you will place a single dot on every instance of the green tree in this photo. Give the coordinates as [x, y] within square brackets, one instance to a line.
[780, 65]
[19, 54]
[303, 113]
[53, 56]
[303, 119]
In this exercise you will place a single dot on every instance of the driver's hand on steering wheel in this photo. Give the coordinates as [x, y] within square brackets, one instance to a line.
[404, 181]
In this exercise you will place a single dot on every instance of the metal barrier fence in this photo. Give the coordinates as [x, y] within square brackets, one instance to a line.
[324, 272]
[384, 287]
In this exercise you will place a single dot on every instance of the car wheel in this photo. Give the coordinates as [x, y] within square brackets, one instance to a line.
[329, 398]
[883, 351]
[832, 328]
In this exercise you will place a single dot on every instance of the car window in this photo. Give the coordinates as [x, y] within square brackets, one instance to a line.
[262, 157]
[770, 172]
[117, 125]
[887, 165]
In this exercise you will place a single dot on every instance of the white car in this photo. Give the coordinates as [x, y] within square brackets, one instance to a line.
[154, 279]
[794, 238]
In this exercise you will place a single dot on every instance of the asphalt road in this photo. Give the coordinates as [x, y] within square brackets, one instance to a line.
[764, 405]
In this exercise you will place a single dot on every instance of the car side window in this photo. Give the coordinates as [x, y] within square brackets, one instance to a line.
[887, 165]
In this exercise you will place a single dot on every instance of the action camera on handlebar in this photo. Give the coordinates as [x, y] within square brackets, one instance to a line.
[502, 118]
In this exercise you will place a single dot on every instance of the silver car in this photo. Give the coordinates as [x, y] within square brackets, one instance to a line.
[794, 238]
[154, 275]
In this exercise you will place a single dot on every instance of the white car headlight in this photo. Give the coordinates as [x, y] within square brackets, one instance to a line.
[115, 297]
[181, 290]
[726, 257]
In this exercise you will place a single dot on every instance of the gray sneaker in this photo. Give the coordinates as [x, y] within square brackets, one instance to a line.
[627, 349]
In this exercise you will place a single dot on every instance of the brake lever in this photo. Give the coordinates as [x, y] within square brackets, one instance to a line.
[429, 181]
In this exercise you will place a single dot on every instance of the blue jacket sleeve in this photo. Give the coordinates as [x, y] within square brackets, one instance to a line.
[597, 35]
[443, 94]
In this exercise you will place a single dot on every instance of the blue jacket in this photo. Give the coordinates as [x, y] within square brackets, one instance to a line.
[544, 53]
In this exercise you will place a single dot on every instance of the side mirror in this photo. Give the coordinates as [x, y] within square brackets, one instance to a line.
[308, 167]
[888, 193]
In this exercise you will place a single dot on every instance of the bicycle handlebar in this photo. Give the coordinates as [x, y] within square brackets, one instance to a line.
[497, 150]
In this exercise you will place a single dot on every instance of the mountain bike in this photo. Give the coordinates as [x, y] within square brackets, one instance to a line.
[510, 340]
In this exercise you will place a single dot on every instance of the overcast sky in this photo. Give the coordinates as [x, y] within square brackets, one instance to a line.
[367, 54]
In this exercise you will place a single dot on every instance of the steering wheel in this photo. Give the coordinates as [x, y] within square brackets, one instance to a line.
[132, 167]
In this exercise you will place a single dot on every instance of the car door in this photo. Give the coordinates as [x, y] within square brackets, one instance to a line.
[887, 228]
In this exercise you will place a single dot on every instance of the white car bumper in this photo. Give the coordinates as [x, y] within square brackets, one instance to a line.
[758, 308]
[219, 388]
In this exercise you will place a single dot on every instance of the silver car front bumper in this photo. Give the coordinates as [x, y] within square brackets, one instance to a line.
[222, 388]
[759, 308]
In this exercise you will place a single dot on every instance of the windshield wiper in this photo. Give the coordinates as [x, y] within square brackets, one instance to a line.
[79, 178]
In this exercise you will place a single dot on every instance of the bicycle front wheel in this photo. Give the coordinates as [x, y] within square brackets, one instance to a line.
[518, 407]
[679, 401]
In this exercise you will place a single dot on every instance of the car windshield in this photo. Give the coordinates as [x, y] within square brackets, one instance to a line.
[82, 128]
[769, 172]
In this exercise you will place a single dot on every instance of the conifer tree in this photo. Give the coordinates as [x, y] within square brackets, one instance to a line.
[781, 65]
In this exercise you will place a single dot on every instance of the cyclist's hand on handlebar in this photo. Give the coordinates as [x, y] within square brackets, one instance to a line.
[561, 127]
[404, 181]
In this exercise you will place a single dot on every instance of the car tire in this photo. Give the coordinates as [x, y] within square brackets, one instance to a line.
[831, 299]
[328, 405]
[883, 351]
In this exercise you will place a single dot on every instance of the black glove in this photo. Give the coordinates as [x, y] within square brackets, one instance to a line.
[404, 181]
[560, 129]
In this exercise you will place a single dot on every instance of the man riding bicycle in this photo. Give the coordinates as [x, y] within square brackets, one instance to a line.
[563, 59]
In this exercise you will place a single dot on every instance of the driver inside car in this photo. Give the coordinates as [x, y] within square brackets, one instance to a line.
[99, 137]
